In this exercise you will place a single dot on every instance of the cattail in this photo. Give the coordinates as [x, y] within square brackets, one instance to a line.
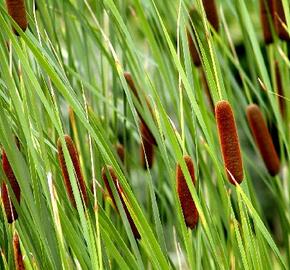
[263, 139]
[211, 13]
[8, 205]
[266, 12]
[149, 136]
[19, 264]
[146, 149]
[120, 151]
[229, 142]
[77, 168]
[280, 20]
[16, 9]
[110, 170]
[280, 91]
[187, 204]
[193, 50]
[9, 208]
[206, 88]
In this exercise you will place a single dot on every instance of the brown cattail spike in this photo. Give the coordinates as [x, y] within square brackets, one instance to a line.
[111, 172]
[280, 20]
[19, 264]
[187, 204]
[76, 164]
[146, 149]
[229, 141]
[280, 91]
[16, 9]
[9, 208]
[8, 205]
[121, 151]
[193, 50]
[263, 139]
[266, 12]
[130, 82]
[211, 13]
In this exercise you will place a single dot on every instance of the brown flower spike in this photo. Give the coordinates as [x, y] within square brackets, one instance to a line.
[263, 139]
[10, 210]
[280, 20]
[187, 204]
[229, 141]
[280, 91]
[266, 12]
[19, 264]
[149, 136]
[147, 148]
[16, 9]
[110, 170]
[76, 164]
[211, 13]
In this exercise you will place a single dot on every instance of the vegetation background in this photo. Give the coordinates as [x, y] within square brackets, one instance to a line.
[64, 75]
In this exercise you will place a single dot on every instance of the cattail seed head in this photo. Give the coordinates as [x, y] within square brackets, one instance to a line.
[229, 141]
[18, 259]
[9, 208]
[189, 210]
[120, 151]
[76, 164]
[110, 170]
[16, 9]
[280, 91]
[265, 7]
[193, 50]
[146, 149]
[131, 84]
[280, 20]
[263, 139]
[211, 13]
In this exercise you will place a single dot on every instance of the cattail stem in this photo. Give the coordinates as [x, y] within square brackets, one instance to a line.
[263, 139]
[229, 141]
[111, 172]
[76, 164]
[16, 9]
[189, 210]
[19, 264]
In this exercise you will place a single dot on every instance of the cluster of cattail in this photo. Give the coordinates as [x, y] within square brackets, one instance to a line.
[77, 169]
[229, 142]
[263, 139]
[16, 9]
[18, 259]
[188, 207]
[10, 210]
[109, 171]
[148, 140]
[272, 12]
